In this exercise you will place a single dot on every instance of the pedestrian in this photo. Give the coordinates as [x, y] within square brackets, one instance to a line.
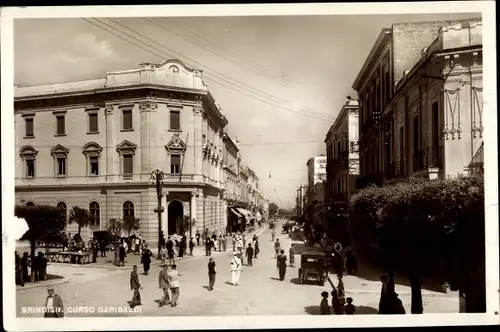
[277, 248]
[135, 285]
[256, 245]
[146, 260]
[211, 274]
[121, 254]
[137, 245]
[19, 271]
[341, 293]
[208, 246]
[94, 252]
[383, 303]
[163, 254]
[224, 243]
[164, 284]
[394, 304]
[234, 241]
[281, 265]
[173, 278]
[335, 302]
[170, 251]
[24, 267]
[351, 263]
[191, 246]
[254, 238]
[197, 238]
[41, 266]
[273, 234]
[219, 242]
[292, 256]
[324, 307]
[236, 269]
[182, 246]
[249, 253]
[53, 304]
[349, 309]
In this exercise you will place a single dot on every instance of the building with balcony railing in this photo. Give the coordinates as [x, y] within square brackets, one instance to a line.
[420, 92]
[94, 144]
[342, 154]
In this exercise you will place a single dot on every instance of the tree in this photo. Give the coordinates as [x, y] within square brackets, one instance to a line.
[131, 223]
[115, 227]
[82, 217]
[425, 228]
[186, 223]
[273, 209]
[46, 223]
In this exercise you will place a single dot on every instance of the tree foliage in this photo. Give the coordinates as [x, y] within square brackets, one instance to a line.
[273, 208]
[130, 223]
[115, 227]
[46, 223]
[81, 216]
[434, 226]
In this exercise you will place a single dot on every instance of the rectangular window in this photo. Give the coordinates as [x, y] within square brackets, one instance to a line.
[175, 120]
[61, 166]
[61, 125]
[175, 164]
[93, 123]
[94, 166]
[29, 127]
[127, 119]
[435, 124]
[128, 164]
[30, 168]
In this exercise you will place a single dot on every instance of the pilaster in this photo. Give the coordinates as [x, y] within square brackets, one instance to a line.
[112, 120]
[146, 108]
[198, 139]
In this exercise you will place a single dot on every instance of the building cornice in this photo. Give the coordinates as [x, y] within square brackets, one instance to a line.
[383, 39]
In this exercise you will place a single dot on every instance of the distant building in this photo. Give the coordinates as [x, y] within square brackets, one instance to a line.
[342, 154]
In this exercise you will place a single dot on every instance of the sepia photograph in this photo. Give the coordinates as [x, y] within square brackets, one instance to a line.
[209, 163]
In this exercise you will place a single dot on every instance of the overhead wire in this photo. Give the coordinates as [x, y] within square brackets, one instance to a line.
[160, 53]
[222, 53]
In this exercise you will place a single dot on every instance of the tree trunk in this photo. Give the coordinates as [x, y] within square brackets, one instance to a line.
[79, 229]
[33, 249]
[416, 292]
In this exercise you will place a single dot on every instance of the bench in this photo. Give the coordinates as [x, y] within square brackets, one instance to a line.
[69, 257]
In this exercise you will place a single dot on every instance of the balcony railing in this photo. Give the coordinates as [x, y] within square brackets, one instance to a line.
[427, 158]
[395, 170]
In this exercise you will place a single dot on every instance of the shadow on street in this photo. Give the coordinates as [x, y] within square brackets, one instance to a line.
[360, 310]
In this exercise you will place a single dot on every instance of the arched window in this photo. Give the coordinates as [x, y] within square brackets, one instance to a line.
[62, 206]
[173, 69]
[95, 212]
[128, 209]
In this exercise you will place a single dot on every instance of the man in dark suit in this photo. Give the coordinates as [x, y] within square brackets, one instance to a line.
[249, 254]
[135, 285]
[164, 284]
[53, 304]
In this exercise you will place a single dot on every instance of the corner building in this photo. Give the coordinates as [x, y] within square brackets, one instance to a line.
[94, 144]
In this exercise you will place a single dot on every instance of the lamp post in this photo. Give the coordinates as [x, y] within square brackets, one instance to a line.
[157, 178]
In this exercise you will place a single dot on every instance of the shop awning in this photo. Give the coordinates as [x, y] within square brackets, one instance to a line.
[247, 214]
[235, 212]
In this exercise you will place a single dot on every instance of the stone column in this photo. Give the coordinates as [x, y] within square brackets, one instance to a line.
[193, 212]
[198, 140]
[164, 217]
[145, 139]
[111, 156]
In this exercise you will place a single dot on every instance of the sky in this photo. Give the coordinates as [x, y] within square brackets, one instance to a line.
[280, 80]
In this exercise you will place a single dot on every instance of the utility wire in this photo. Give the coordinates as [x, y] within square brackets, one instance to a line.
[222, 53]
[216, 79]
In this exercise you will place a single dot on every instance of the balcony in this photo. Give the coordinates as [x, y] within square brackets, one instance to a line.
[395, 170]
[427, 158]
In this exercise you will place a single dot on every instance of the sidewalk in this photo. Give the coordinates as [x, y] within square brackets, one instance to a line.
[65, 273]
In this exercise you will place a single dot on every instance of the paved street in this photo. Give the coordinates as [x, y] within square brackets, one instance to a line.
[259, 293]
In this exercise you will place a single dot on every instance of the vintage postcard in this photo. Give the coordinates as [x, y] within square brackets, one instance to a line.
[249, 166]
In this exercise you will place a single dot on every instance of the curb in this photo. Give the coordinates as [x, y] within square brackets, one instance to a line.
[406, 293]
[59, 281]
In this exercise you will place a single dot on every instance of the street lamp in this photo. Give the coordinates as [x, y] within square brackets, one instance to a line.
[157, 178]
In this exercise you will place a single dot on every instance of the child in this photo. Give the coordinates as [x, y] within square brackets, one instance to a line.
[324, 307]
[349, 307]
